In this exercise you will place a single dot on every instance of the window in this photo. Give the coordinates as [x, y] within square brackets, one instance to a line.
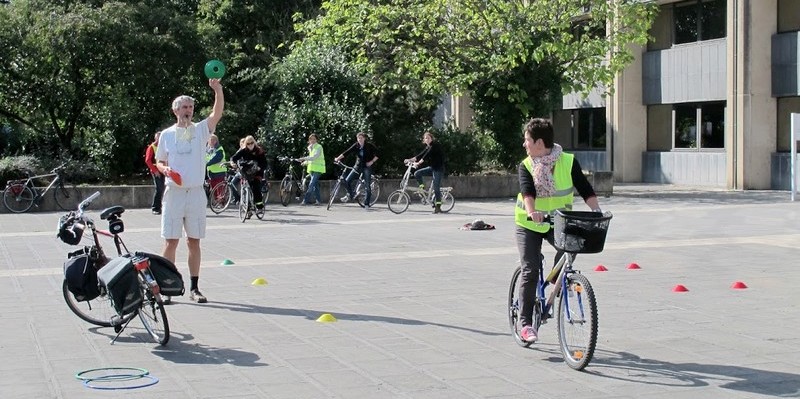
[589, 128]
[698, 20]
[702, 124]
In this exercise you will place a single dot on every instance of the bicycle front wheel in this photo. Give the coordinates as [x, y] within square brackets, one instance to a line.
[577, 322]
[154, 317]
[334, 192]
[398, 201]
[67, 197]
[98, 311]
[244, 203]
[220, 197]
[18, 197]
[285, 190]
[514, 308]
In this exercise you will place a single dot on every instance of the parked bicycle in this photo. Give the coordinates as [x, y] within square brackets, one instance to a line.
[360, 191]
[574, 232]
[247, 204]
[292, 185]
[112, 292]
[399, 200]
[20, 195]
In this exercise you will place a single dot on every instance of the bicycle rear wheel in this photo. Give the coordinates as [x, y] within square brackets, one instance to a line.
[577, 322]
[398, 201]
[285, 190]
[220, 197]
[514, 308]
[334, 192]
[67, 196]
[244, 203]
[98, 311]
[18, 197]
[154, 317]
[448, 202]
[361, 193]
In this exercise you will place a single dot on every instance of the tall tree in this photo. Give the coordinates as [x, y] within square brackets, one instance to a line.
[513, 56]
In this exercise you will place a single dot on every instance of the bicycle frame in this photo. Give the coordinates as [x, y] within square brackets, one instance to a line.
[562, 268]
[40, 192]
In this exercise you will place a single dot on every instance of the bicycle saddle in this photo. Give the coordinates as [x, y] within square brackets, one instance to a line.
[113, 211]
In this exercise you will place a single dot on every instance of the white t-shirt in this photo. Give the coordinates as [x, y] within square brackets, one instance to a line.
[184, 149]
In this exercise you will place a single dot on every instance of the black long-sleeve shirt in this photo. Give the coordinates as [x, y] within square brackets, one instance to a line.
[581, 183]
[369, 152]
[433, 155]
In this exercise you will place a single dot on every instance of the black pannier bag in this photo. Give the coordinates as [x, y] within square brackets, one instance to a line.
[81, 277]
[167, 276]
[122, 284]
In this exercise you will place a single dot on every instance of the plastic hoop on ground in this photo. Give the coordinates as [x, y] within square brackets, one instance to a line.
[153, 380]
[141, 373]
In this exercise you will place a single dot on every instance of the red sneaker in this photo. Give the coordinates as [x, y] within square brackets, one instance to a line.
[528, 334]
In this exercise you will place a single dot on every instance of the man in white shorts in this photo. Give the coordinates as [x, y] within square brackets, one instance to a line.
[182, 149]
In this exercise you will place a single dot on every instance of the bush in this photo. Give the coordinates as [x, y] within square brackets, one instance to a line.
[18, 167]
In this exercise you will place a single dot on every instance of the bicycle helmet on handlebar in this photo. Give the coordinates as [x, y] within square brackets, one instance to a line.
[68, 231]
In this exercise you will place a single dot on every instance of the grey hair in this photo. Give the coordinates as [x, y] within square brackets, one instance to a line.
[177, 102]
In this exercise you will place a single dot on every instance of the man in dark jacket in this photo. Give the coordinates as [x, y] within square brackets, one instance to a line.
[367, 155]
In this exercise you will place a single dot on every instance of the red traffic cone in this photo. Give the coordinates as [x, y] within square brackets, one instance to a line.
[633, 266]
[600, 268]
[680, 288]
[739, 285]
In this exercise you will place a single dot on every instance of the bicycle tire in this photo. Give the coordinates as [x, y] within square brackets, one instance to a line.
[244, 203]
[152, 308]
[448, 202]
[285, 190]
[398, 201]
[334, 192]
[577, 336]
[375, 187]
[98, 311]
[67, 196]
[18, 198]
[219, 197]
[514, 309]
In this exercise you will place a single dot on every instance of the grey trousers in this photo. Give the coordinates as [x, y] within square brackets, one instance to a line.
[529, 244]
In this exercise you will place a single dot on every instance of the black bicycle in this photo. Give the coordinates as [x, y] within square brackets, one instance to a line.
[112, 292]
[20, 195]
[360, 191]
[293, 185]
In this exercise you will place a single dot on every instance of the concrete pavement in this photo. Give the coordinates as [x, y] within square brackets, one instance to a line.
[421, 305]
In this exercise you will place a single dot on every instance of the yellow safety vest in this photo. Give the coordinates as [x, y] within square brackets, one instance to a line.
[318, 164]
[217, 167]
[561, 199]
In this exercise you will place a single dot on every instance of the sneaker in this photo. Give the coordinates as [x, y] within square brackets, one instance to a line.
[344, 199]
[528, 334]
[196, 296]
[303, 203]
[316, 203]
[167, 299]
[156, 211]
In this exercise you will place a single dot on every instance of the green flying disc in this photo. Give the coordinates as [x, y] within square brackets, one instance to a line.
[215, 69]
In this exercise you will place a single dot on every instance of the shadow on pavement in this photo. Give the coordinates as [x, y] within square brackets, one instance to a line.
[178, 350]
[313, 314]
[628, 367]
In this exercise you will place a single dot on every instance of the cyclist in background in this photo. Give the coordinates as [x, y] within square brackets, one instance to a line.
[366, 155]
[315, 166]
[433, 158]
[255, 161]
[548, 176]
[215, 161]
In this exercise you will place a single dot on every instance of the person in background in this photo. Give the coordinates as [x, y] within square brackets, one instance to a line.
[181, 158]
[315, 166]
[254, 162]
[215, 162]
[432, 156]
[158, 178]
[548, 177]
[366, 156]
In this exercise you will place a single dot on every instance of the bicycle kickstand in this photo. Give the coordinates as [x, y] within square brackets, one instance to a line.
[119, 328]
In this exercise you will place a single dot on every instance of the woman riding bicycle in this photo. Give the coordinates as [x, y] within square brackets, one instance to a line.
[433, 158]
[548, 177]
[254, 161]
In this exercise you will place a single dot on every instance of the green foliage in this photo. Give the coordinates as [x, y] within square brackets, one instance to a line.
[19, 167]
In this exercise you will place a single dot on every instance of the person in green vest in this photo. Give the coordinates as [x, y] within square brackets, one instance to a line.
[315, 166]
[548, 177]
[215, 161]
